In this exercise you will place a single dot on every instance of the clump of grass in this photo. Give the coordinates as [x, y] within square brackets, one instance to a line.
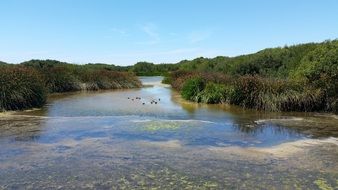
[62, 77]
[104, 79]
[59, 79]
[21, 88]
[24, 86]
[213, 93]
[192, 88]
[252, 92]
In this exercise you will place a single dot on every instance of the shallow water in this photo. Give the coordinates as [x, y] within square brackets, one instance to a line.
[104, 140]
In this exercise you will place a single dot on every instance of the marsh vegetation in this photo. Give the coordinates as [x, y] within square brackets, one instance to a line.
[302, 77]
[27, 85]
[297, 78]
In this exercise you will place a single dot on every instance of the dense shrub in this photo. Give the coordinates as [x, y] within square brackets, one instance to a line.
[320, 70]
[59, 79]
[64, 77]
[104, 79]
[21, 88]
[25, 85]
[254, 92]
[150, 69]
[213, 93]
[192, 88]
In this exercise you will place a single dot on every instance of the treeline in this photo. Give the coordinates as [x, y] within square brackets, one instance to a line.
[151, 69]
[297, 78]
[26, 85]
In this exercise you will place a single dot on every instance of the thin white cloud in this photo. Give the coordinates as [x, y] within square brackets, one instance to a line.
[116, 32]
[119, 31]
[199, 36]
[150, 30]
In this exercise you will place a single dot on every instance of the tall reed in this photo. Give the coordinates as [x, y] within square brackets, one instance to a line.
[21, 88]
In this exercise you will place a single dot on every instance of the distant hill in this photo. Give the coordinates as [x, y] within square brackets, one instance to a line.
[2, 63]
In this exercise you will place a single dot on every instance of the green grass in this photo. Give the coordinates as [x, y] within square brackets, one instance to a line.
[253, 92]
[64, 77]
[212, 93]
[27, 85]
[192, 88]
[21, 88]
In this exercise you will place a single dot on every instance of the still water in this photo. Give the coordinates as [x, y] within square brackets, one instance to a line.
[113, 140]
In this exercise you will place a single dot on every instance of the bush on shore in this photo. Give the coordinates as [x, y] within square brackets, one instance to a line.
[63, 77]
[26, 85]
[21, 88]
[103, 79]
[192, 88]
[253, 92]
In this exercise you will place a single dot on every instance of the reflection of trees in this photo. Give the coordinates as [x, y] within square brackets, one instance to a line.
[256, 129]
[243, 119]
[20, 128]
[284, 124]
[247, 123]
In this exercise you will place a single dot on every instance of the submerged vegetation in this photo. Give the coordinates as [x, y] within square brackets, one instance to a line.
[297, 78]
[26, 85]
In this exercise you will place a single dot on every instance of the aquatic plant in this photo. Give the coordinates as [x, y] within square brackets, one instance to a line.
[156, 126]
[253, 92]
[25, 85]
[21, 88]
[212, 93]
[192, 88]
[302, 77]
[64, 77]
[104, 79]
[59, 79]
[322, 184]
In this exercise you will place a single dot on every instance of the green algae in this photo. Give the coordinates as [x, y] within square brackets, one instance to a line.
[156, 126]
[166, 125]
[322, 184]
[163, 179]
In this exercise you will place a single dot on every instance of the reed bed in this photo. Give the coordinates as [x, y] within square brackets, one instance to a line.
[254, 92]
[27, 85]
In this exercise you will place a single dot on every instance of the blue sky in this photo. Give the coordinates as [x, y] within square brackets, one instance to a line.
[123, 32]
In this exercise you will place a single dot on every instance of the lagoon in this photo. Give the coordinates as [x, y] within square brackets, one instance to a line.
[103, 140]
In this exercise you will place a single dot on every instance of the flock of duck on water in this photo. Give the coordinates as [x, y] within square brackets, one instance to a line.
[139, 98]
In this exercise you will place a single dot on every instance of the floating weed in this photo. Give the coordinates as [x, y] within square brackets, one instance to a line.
[161, 125]
[170, 124]
[210, 185]
[162, 179]
[322, 184]
[296, 187]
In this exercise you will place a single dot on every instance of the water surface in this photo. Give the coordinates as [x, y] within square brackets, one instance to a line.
[110, 139]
